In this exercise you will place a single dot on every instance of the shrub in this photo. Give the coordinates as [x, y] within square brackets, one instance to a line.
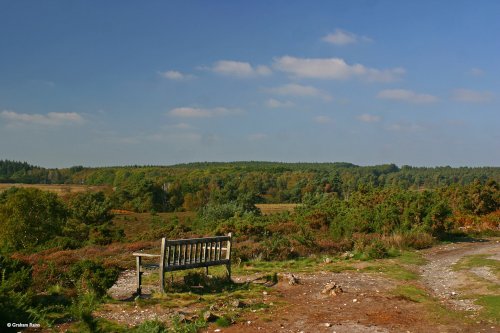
[369, 247]
[91, 208]
[15, 299]
[92, 276]
[29, 218]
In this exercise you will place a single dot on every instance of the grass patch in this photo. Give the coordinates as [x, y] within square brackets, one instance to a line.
[223, 321]
[411, 293]
[480, 260]
[411, 258]
[434, 310]
[301, 265]
[391, 270]
[491, 307]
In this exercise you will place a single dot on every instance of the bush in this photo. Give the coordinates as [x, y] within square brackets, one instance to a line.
[15, 298]
[91, 208]
[92, 276]
[366, 247]
[278, 247]
[29, 218]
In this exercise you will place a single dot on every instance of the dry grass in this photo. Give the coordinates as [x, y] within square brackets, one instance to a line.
[59, 189]
[267, 209]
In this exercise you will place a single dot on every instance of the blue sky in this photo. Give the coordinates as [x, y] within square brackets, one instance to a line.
[101, 83]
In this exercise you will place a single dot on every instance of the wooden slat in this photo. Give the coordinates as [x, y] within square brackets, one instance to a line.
[207, 252]
[196, 265]
[168, 255]
[190, 253]
[185, 253]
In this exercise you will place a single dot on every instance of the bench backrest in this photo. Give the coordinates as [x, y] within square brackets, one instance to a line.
[182, 254]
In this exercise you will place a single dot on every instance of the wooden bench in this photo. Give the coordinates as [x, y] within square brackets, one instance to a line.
[183, 254]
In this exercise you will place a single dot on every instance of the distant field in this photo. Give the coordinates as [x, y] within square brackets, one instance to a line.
[267, 209]
[60, 189]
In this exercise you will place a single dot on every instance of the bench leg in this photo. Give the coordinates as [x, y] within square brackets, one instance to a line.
[162, 281]
[228, 269]
[138, 277]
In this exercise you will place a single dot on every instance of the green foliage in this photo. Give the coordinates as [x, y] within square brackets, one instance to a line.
[15, 280]
[91, 208]
[223, 321]
[372, 249]
[14, 275]
[81, 309]
[186, 327]
[277, 247]
[150, 326]
[105, 234]
[139, 195]
[29, 218]
[213, 214]
[91, 276]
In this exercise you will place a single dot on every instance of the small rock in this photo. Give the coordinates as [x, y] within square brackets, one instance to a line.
[327, 260]
[209, 316]
[354, 300]
[237, 304]
[332, 289]
[292, 280]
[265, 293]
[327, 325]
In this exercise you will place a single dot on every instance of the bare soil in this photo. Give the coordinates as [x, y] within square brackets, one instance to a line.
[368, 302]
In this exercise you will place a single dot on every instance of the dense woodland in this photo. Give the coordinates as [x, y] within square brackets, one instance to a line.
[192, 186]
[59, 254]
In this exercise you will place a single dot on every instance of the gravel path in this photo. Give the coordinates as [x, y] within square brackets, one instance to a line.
[446, 283]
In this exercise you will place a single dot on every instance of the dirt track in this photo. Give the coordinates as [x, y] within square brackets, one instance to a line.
[369, 302]
[367, 305]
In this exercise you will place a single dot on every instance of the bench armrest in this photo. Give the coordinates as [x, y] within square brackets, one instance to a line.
[140, 254]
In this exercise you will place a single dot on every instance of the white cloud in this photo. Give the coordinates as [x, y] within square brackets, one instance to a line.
[295, 89]
[189, 112]
[406, 95]
[406, 127]
[368, 118]
[476, 72]
[239, 69]
[49, 119]
[472, 96]
[275, 104]
[333, 68]
[257, 136]
[175, 75]
[322, 119]
[342, 37]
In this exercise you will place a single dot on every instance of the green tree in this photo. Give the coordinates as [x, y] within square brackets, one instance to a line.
[30, 217]
[91, 208]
